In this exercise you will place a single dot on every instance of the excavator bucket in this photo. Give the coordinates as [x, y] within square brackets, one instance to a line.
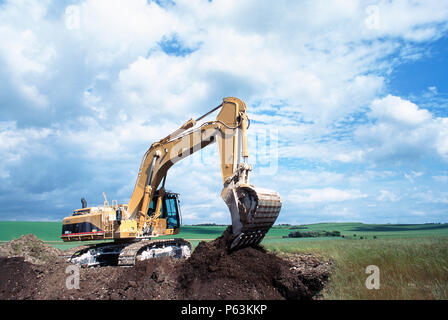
[253, 210]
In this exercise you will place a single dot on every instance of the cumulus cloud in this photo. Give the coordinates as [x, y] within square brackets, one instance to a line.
[26, 60]
[324, 195]
[87, 88]
[386, 195]
[442, 179]
[16, 143]
[396, 110]
[402, 131]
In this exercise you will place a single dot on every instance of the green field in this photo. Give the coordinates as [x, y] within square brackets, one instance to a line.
[50, 232]
[410, 268]
[412, 258]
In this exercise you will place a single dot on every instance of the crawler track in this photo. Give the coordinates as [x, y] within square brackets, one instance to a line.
[155, 248]
[126, 254]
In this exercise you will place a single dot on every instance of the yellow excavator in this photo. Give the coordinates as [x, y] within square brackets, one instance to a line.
[153, 212]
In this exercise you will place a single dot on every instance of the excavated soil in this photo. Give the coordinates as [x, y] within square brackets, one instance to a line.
[210, 273]
[31, 248]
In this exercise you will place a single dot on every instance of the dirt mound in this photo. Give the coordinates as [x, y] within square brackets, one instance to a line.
[31, 248]
[249, 273]
[17, 279]
[154, 279]
[210, 273]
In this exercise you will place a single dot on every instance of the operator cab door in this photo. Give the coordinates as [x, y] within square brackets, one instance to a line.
[170, 209]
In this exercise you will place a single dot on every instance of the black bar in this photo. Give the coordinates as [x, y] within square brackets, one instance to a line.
[209, 112]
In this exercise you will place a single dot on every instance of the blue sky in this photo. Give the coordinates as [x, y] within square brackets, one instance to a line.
[347, 99]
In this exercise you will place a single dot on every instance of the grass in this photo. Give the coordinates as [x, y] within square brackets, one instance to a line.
[46, 231]
[50, 231]
[410, 268]
[368, 230]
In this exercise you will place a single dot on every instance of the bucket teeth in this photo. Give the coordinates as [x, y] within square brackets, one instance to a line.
[258, 209]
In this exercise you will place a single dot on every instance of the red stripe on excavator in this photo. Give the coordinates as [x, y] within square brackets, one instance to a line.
[73, 234]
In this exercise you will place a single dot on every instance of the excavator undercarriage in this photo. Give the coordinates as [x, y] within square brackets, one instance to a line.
[127, 253]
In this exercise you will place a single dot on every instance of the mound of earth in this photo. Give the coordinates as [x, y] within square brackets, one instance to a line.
[210, 273]
[249, 273]
[31, 248]
[18, 279]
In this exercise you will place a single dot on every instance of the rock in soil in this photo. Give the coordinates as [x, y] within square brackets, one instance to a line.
[210, 273]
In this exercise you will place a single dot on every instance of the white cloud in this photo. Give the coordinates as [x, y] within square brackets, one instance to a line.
[412, 19]
[26, 60]
[433, 89]
[308, 178]
[403, 131]
[386, 195]
[432, 196]
[441, 125]
[15, 143]
[162, 86]
[111, 31]
[411, 176]
[442, 178]
[323, 195]
[396, 110]
[325, 152]
[337, 212]
[418, 213]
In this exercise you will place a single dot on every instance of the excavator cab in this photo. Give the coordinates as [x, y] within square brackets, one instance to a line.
[170, 209]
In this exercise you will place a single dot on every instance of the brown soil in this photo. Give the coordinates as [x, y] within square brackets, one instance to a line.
[210, 273]
[31, 248]
[18, 279]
